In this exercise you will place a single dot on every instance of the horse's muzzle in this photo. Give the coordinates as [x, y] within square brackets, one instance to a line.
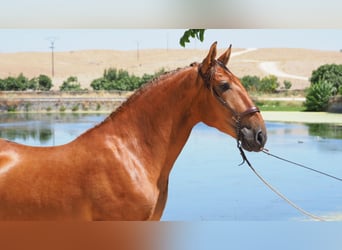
[253, 139]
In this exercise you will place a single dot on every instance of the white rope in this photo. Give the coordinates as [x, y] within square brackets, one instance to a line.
[312, 216]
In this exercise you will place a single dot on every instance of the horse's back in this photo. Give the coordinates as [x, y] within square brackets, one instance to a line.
[38, 182]
[15, 157]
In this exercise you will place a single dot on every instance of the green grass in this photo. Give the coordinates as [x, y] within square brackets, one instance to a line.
[280, 106]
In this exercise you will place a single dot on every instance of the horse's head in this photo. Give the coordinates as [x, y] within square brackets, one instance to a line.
[227, 105]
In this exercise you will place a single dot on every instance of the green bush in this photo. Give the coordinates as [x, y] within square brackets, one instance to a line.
[111, 74]
[99, 84]
[326, 81]
[21, 83]
[114, 79]
[318, 96]
[251, 83]
[44, 83]
[71, 84]
[15, 83]
[331, 73]
[287, 84]
[268, 84]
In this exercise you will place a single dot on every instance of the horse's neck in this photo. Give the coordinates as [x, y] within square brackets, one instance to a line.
[156, 123]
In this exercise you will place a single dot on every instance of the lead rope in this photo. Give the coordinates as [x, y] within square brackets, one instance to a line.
[265, 151]
[244, 158]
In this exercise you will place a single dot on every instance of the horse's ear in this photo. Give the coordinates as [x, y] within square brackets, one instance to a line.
[208, 61]
[224, 58]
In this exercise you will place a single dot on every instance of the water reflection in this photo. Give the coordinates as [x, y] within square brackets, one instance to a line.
[325, 130]
[45, 129]
[40, 128]
[41, 134]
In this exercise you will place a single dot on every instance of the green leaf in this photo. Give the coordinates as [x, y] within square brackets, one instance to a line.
[194, 33]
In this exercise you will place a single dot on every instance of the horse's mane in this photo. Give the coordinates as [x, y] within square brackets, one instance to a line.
[144, 88]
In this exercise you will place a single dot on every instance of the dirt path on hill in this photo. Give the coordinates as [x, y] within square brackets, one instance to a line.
[272, 69]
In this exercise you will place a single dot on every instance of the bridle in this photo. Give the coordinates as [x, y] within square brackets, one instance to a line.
[207, 77]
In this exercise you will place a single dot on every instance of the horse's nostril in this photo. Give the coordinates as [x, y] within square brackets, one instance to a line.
[260, 139]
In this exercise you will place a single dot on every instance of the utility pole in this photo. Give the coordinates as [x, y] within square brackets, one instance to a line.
[167, 42]
[138, 56]
[52, 46]
[52, 58]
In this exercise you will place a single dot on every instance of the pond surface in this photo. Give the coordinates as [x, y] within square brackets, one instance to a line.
[206, 182]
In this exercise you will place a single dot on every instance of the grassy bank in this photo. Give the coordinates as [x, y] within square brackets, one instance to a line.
[273, 105]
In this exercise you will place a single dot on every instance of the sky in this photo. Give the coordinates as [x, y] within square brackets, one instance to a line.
[30, 25]
[39, 40]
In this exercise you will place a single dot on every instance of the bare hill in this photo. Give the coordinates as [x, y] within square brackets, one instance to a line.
[295, 65]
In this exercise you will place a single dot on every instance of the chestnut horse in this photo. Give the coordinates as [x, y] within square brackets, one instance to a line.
[119, 169]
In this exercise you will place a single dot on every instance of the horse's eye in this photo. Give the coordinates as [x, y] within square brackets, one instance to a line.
[224, 86]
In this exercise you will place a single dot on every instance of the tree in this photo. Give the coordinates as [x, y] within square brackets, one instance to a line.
[114, 79]
[194, 33]
[18, 83]
[110, 74]
[98, 84]
[32, 84]
[269, 84]
[71, 84]
[44, 83]
[331, 73]
[318, 96]
[21, 82]
[251, 83]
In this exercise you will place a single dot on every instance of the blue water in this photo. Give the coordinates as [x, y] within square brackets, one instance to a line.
[206, 182]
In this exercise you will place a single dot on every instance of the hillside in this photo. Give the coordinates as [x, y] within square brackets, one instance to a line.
[295, 65]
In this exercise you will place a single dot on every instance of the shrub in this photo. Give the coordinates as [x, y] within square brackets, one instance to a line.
[21, 83]
[14, 83]
[318, 96]
[287, 84]
[110, 74]
[331, 73]
[71, 84]
[251, 83]
[114, 79]
[44, 83]
[269, 84]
